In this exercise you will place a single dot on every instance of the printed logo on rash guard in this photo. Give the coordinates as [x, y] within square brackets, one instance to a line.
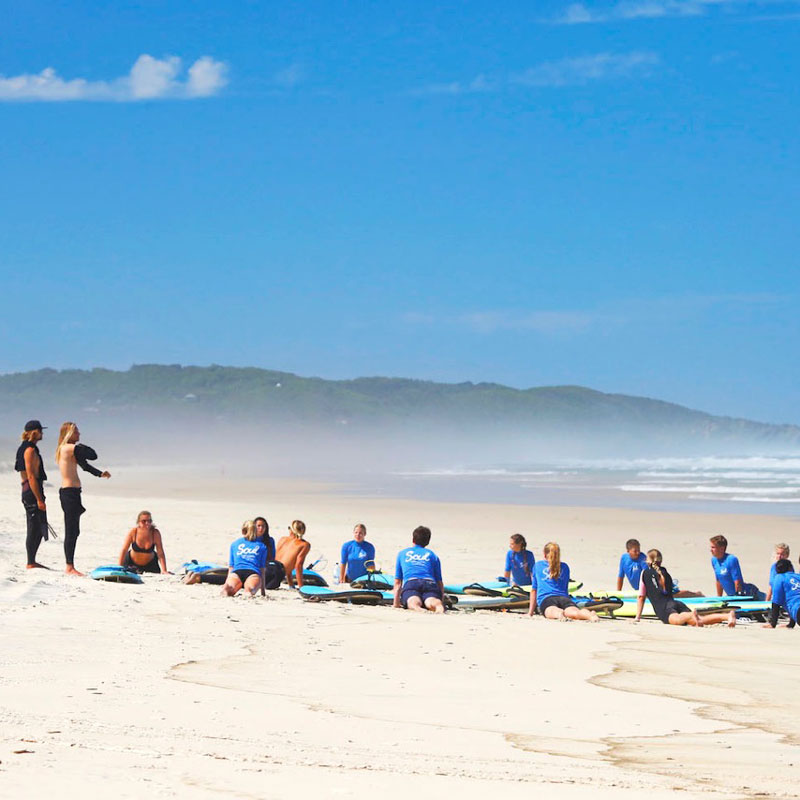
[794, 585]
[417, 557]
[361, 554]
[244, 550]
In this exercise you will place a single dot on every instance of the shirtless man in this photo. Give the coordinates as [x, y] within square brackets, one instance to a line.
[31, 472]
[292, 551]
[69, 456]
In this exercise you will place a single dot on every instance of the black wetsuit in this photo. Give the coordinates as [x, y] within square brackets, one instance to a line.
[662, 600]
[36, 518]
[71, 505]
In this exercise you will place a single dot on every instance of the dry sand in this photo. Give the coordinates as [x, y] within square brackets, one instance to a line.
[165, 690]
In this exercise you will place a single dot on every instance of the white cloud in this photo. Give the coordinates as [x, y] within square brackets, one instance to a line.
[478, 84]
[549, 322]
[149, 79]
[584, 69]
[290, 76]
[580, 13]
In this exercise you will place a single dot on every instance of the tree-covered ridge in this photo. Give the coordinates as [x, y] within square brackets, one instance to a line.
[237, 391]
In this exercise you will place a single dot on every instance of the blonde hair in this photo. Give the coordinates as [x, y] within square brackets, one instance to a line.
[249, 530]
[298, 528]
[67, 429]
[27, 436]
[552, 552]
[783, 547]
[141, 514]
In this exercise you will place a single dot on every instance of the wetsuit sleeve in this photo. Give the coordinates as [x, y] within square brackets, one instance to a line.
[343, 554]
[621, 572]
[398, 567]
[270, 549]
[83, 454]
[507, 567]
[230, 558]
[736, 570]
[437, 571]
[774, 613]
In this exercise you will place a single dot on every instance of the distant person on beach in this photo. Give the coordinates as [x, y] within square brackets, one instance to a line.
[726, 567]
[143, 549]
[785, 588]
[31, 472]
[519, 561]
[550, 589]
[418, 583]
[246, 563]
[71, 454]
[631, 565]
[656, 586]
[781, 552]
[291, 553]
[355, 553]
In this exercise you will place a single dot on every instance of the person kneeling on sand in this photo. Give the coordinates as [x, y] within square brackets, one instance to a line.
[418, 581]
[143, 549]
[550, 589]
[292, 551]
[246, 563]
[785, 593]
[656, 586]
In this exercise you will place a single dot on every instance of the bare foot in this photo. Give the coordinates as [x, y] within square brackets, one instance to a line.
[70, 570]
[36, 565]
[732, 619]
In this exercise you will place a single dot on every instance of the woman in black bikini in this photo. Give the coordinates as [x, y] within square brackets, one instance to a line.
[143, 549]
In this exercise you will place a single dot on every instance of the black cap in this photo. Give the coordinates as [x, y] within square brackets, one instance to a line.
[34, 425]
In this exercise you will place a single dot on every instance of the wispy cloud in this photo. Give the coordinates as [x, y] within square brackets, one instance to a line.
[584, 69]
[562, 72]
[149, 79]
[547, 322]
[582, 13]
[290, 76]
[477, 85]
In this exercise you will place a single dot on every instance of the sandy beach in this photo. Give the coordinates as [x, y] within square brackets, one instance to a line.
[164, 690]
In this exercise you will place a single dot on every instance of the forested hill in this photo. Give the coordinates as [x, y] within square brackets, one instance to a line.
[265, 396]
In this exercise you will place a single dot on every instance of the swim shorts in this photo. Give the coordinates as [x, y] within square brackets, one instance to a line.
[559, 601]
[419, 587]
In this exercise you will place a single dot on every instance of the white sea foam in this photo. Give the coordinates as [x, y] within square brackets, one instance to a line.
[766, 491]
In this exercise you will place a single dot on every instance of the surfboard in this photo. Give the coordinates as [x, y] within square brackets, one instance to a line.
[476, 587]
[474, 602]
[312, 578]
[374, 580]
[115, 574]
[317, 594]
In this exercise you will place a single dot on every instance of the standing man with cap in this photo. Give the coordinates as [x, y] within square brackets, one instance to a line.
[31, 471]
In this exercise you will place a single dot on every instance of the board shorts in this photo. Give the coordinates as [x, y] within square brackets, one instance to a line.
[419, 587]
[244, 574]
[559, 601]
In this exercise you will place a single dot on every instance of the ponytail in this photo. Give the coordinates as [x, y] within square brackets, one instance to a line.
[552, 552]
[654, 559]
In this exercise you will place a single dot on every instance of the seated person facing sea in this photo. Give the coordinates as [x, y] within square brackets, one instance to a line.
[519, 561]
[418, 581]
[656, 586]
[785, 593]
[356, 552]
[631, 565]
[292, 551]
[247, 562]
[143, 549]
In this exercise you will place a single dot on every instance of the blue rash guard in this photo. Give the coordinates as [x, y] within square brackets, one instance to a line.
[632, 570]
[546, 586]
[772, 574]
[727, 571]
[354, 555]
[418, 562]
[516, 564]
[248, 555]
[786, 592]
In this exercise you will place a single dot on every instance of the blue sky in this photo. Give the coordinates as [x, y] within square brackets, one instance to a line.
[603, 194]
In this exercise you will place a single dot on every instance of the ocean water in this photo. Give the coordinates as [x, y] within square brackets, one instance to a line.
[746, 484]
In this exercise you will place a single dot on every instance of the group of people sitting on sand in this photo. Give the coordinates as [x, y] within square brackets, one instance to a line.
[257, 563]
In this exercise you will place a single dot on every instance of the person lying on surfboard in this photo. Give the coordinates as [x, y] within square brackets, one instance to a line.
[418, 583]
[549, 589]
[246, 563]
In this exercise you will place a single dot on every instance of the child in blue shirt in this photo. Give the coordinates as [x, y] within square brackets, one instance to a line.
[356, 552]
[631, 564]
[726, 567]
[549, 589]
[418, 583]
[246, 563]
[519, 561]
